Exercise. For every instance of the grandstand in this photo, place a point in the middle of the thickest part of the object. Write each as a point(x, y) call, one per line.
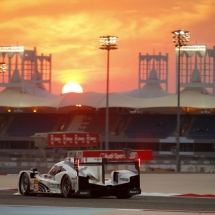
point(27, 108)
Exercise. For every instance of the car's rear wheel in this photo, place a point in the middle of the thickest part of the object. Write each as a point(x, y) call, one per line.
point(66, 187)
point(24, 184)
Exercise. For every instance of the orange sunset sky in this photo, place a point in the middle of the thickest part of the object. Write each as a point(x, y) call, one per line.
point(70, 31)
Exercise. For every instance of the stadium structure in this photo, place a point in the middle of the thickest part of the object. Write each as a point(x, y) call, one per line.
point(144, 118)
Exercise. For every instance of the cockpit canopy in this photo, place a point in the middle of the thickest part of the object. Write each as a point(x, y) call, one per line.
point(55, 170)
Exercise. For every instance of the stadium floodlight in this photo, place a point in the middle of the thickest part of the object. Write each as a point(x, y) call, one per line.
point(3, 67)
point(192, 48)
point(107, 43)
point(12, 48)
point(180, 38)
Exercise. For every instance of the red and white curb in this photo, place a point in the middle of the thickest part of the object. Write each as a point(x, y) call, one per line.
point(197, 195)
point(178, 195)
point(9, 174)
point(158, 194)
point(173, 211)
point(2, 189)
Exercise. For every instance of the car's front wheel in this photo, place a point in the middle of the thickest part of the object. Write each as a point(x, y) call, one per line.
point(66, 187)
point(24, 184)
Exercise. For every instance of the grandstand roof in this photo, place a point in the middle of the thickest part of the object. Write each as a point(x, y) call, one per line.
point(152, 88)
point(12, 97)
point(189, 97)
point(149, 90)
point(30, 86)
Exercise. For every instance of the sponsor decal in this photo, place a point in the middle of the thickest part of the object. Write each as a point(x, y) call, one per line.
point(54, 139)
point(84, 192)
point(134, 191)
point(76, 139)
point(67, 139)
point(98, 159)
point(36, 185)
point(53, 186)
point(87, 138)
point(123, 179)
point(115, 155)
point(94, 139)
point(32, 184)
point(82, 139)
point(72, 139)
point(64, 139)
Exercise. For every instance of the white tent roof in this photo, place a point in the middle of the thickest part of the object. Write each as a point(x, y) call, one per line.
point(39, 92)
point(14, 98)
point(118, 100)
point(152, 88)
point(90, 99)
point(32, 86)
point(98, 100)
point(149, 90)
point(189, 97)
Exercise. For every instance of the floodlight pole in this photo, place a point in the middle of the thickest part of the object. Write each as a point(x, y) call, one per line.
point(178, 162)
point(180, 38)
point(107, 103)
point(108, 43)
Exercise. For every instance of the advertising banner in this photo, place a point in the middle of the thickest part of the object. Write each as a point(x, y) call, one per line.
point(114, 155)
point(72, 139)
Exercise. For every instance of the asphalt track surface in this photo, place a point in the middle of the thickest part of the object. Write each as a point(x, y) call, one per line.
point(7, 197)
point(202, 184)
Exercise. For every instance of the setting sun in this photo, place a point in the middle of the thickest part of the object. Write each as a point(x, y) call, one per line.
point(70, 32)
point(72, 87)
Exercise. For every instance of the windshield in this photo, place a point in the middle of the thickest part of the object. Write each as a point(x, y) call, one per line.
point(55, 170)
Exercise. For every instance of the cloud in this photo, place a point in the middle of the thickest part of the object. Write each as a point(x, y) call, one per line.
point(176, 8)
point(70, 31)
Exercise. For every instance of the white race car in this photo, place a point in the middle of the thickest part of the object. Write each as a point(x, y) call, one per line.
point(82, 177)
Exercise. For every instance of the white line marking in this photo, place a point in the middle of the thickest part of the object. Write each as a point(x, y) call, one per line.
point(135, 210)
point(158, 194)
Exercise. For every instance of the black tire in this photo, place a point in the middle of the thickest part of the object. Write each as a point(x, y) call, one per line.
point(66, 187)
point(24, 184)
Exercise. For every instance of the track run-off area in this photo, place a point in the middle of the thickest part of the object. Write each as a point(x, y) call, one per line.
point(162, 193)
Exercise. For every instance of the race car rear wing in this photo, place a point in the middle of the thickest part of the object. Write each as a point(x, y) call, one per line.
point(98, 165)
